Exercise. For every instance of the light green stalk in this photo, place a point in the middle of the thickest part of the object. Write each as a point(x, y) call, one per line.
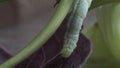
point(43, 36)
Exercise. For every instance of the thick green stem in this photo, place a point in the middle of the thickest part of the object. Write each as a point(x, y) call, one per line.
point(43, 36)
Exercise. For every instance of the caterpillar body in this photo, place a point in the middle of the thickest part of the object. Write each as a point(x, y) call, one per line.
point(78, 14)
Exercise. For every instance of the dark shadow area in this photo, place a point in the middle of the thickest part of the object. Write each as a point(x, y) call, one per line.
point(8, 13)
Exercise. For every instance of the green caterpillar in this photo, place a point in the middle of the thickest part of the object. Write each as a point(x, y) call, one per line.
point(78, 14)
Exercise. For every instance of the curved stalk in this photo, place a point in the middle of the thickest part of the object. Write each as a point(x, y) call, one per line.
point(43, 36)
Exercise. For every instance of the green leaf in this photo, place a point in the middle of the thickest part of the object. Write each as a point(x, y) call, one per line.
point(109, 23)
point(97, 3)
point(100, 49)
point(101, 56)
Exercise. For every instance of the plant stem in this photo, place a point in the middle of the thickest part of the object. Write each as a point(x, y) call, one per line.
point(59, 15)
